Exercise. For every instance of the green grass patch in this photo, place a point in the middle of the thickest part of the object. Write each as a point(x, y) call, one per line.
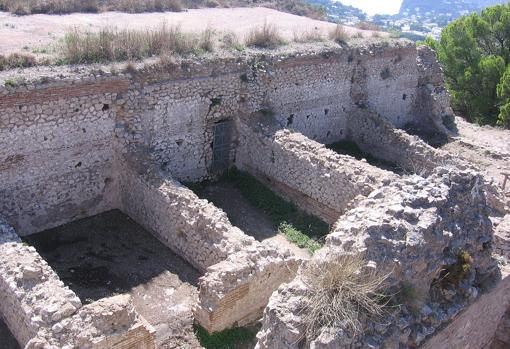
point(228, 339)
point(279, 210)
point(300, 228)
point(297, 237)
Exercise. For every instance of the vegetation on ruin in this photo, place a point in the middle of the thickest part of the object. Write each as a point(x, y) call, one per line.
point(457, 272)
point(26, 7)
point(300, 228)
point(16, 60)
point(339, 34)
point(299, 238)
point(120, 45)
point(228, 339)
point(341, 292)
point(475, 54)
point(266, 36)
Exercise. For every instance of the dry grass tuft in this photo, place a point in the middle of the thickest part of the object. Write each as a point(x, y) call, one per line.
point(313, 35)
point(266, 36)
point(342, 290)
point(339, 34)
point(109, 45)
point(16, 60)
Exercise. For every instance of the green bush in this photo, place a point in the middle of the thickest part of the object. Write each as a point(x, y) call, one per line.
point(475, 53)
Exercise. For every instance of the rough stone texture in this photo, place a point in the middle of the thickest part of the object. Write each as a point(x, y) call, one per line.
point(43, 313)
point(502, 238)
point(236, 291)
point(63, 134)
point(501, 338)
point(432, 101)
point(110, 323)
point(193, 228)
point(71, 145)
point(33, 297)
point(377, 136)
point(241, 273)
point(477, 327)
point(290, 162)
point(414, 228)
point(56, 153)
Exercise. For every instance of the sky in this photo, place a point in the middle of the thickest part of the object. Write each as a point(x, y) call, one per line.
point(373, 7)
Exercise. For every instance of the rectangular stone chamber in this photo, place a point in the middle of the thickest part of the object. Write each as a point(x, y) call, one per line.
point(110, 254)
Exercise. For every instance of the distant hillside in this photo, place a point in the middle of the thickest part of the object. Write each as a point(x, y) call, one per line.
point(337, 12)
point(450, 8)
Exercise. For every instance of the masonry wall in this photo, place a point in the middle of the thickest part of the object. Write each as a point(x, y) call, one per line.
point(376, 136)
point(317, 179)
point(58, 139)
point(315, 95)
point(235, 291)
point(193, 228)
point(56, 153)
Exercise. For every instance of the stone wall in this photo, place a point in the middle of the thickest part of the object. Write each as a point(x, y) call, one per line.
point(376, 136)
point(56, 152)
point(320, 181)
point(236, 291)
point(32, 295)
point(477, 326)
point(193, 228)
point(59, 136)
point(314, 95)
point(414, 230)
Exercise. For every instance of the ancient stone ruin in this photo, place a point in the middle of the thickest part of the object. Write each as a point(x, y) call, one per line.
point(94, 180)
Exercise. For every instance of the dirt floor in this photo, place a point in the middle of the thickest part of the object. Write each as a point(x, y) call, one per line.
point(111, 254)
point(249, 219)
point(36, 33)
point(486, 147)
point(7, 341)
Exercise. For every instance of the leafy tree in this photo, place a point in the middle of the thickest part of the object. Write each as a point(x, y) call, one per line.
point(475, 54)
point(504, 95)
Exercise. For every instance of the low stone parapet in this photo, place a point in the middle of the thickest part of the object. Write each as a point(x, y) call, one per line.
point(236, 291)
point(193, 228)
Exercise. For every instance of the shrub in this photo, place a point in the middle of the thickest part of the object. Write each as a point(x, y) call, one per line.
point(339, 34)
point(17, 60)
point(342, 290)
point(299, 238)
point(266, 36)
point(207, 40)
